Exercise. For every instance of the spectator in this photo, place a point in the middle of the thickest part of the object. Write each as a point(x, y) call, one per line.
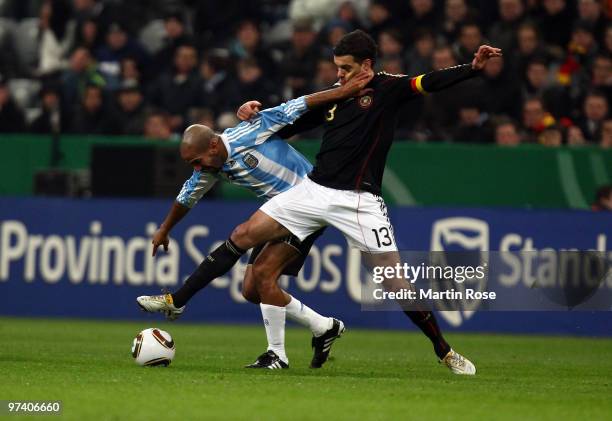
point(129, 113)
point(390, 43)
point(503, 90)
point(318, 12)
point(473, 124)
point(118, 46)
point(130, 71)
point(176, 35)
point(590, 11)
point(575, 136)
point(247, 44)
point(333, 31)
point(503, 32)
point(529, 47)
point(56, 36)
point(438, 115)
point(91, 117)
point(603, 199)
point(456, 13)
point(157, 127)
point(506, 133)
point(10, 64)
point(595, 109)
point(535, 118)
point(556, 23)
point(226, 120)
point(380, 18)
point(593, 75)
point(326, 76)
point(216, 82)
point(470, 38)
point(440, 112)
point(423, 16)
point(252, 84)
point(11, 117)
point(178, 90)
point(401, 10)
point(202, 116)
point(392, 65)
point(53, 118)
point(89, 34)
point(583, 46)
point(214, 25)
point(551, 136)
point(418, 59)
point(92, 9)
point(348, 14)
point(81, 72)
point(538, 84)
point(605, 134)
point(601, 75)
point(300, 61)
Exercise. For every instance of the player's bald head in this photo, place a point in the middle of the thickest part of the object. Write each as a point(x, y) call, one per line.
point(196, 138)
point(202, 148)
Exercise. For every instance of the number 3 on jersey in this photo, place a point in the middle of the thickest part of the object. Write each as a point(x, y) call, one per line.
point(382, 234)
point(331, 113)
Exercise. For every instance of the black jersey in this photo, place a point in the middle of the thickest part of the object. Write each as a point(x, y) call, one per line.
point(359, 131)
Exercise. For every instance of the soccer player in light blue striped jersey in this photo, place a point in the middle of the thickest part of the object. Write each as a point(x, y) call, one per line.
point(252, 155)
point(255, 157)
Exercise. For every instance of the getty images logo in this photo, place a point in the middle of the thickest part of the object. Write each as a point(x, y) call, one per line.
point(459, 234)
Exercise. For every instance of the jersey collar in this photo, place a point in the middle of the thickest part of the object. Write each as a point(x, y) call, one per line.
point(227, 147)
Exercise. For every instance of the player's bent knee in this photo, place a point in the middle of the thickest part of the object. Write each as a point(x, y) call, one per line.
point(251, 295)
point(240, 233)
point(249, 289)
point(245, 235)
point(265, 276)
point(264, 273)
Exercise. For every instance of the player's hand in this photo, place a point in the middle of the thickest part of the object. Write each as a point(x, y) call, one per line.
point(160, 238)
point(356, 84)
point(248, 110)
point(484, 53)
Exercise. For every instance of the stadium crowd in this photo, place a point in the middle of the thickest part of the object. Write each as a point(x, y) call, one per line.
point(153, 67)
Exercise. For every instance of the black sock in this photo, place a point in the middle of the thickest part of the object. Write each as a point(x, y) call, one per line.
point(217, 263)
point(426, 321)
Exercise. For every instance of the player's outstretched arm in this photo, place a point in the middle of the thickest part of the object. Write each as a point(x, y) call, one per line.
point(352, 88)
point(161, 236)
point(445, 78)
point(193, 190)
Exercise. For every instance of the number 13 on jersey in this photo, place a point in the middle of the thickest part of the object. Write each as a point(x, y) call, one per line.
point(383, 236)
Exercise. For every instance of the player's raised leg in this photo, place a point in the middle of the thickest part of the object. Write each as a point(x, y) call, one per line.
point(259, 229)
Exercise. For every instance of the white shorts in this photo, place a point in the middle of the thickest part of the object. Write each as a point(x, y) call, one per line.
point(361, 216)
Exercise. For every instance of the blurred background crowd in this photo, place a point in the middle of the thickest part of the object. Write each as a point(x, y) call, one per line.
point(153, 67)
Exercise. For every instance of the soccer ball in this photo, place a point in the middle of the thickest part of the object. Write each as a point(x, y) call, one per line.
point(153, 347)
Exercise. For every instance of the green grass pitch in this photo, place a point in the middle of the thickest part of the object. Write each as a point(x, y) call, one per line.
point(373, 375)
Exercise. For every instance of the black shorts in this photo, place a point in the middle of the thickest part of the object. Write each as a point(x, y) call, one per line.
point(303, 247)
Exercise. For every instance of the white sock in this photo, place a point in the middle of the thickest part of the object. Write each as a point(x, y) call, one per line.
point(274, 322)
point(306, 316)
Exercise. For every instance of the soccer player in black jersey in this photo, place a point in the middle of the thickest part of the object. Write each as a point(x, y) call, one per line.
point(344, 187)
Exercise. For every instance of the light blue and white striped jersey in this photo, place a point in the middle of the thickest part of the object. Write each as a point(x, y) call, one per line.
point(257, 158)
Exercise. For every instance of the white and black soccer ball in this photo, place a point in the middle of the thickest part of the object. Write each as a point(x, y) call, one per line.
point(153, 347)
